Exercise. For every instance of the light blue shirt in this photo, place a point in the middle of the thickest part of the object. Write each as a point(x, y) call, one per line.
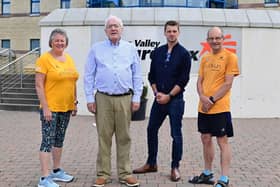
point(113, 69)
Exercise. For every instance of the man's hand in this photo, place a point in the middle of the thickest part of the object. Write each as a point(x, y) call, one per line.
point(162, 98)
point(91, 107)
point(135, 106)
point(206, 103)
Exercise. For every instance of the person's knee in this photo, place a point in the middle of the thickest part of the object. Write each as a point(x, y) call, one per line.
point(58, 144)
point(206, 139)
point(47, 143)
point(46, 148)
point(177, 139)
point(223, 142)
point(152, 129)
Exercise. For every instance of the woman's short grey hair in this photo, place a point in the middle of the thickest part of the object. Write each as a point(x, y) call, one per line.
point(115, 18)
point(58, 31)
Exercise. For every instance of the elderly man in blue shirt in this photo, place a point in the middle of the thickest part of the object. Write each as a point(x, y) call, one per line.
point(168, 76)
point(113, 86)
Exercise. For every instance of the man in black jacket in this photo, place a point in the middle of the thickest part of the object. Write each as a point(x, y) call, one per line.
point(168, 76)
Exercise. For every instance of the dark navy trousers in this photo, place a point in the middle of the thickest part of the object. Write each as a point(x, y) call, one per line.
point(175, 110)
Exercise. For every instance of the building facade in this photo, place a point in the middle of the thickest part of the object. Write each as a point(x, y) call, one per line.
point(249, 33)
point(19, 29)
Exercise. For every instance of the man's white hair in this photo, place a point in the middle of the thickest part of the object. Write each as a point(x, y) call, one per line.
point(115, 18)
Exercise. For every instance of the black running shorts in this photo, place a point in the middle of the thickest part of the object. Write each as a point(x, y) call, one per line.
point(215, 124)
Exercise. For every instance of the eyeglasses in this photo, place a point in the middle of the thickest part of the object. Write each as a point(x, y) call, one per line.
point(215, 38)
point(116, 26)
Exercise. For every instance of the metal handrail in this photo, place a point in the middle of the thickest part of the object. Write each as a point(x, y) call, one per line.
point(20, 58)
point(4, 50)
point(16, 67)
point(5, 56)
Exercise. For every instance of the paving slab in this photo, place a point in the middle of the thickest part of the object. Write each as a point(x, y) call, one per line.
point(256, 161)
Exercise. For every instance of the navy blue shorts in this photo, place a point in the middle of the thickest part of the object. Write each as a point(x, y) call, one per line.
point(218, 125)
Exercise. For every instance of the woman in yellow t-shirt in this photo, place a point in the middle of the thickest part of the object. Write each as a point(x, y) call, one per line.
point(56, 77)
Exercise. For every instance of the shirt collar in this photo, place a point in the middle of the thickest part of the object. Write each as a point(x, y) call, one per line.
point(111, 44)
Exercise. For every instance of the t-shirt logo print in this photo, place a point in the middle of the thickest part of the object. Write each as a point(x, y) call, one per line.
point(228, 44)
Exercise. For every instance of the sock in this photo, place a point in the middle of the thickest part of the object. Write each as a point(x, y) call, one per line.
point(224, 178)
point(207, 172)
point(56, 170)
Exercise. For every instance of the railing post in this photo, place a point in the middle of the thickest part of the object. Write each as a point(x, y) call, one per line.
point(1, 87)
point(21, 74)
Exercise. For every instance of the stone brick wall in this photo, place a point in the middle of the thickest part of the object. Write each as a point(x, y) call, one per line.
point(19, 27)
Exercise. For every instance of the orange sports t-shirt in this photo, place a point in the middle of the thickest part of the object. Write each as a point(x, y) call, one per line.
point(60, 81)
point(213, 69)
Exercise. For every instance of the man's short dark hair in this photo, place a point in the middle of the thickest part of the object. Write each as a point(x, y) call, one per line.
point(171, 23)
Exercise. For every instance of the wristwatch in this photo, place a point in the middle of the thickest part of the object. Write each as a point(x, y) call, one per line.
point(211, 98)
point(170, 95)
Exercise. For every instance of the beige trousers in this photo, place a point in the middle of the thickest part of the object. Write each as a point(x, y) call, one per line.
point(113, 116)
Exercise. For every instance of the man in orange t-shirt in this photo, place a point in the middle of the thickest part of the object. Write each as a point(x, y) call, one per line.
point(216, 74)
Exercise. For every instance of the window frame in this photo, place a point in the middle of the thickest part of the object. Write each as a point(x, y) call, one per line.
point(3, 41)
point(32, 40)
point(65, 4)
point(34, 10)
point(7, 4)
point(271, 3)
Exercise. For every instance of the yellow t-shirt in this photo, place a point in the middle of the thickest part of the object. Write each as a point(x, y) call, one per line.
point(213, 68)
point(60, 81)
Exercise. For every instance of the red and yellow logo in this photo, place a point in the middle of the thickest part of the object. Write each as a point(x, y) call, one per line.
point(228, 44)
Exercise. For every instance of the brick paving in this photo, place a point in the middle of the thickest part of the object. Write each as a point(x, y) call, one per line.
point(256, 160)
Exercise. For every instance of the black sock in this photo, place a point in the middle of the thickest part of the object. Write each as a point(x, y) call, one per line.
point(56, 170)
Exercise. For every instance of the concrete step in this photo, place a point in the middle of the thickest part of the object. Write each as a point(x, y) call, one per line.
point(19, 107)
point(20, 90)
point(31, 76)
point(18, 85)
point(16, 78)
point(17, 81)
point(20, 101)
point(19, 95)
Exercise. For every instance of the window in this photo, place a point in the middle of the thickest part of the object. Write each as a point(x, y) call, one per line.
point(35, 7)
point(5, 44)
point(6, 6)
point(104, 3)
point(270, 3)
point(34, 43)
point(151, 3)
point(93, 3)
point(196, 4)
point(177, 3)
point(65, 3)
